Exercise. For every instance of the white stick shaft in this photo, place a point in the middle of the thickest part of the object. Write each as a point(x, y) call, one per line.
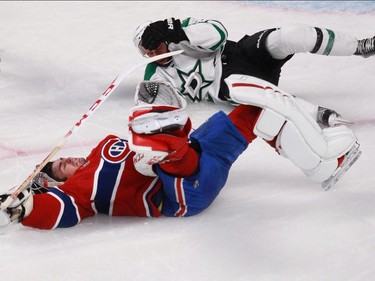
point(76, 127)
point(114, 85)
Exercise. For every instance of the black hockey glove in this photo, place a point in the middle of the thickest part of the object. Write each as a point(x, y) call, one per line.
point(160, 31)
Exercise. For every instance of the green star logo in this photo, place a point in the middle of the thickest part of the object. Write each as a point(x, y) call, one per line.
point(193, 83)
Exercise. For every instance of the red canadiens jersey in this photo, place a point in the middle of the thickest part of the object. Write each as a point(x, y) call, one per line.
point(108, 184)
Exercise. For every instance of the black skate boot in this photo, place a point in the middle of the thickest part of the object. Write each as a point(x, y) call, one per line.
point(366, 47)
point(330, 118)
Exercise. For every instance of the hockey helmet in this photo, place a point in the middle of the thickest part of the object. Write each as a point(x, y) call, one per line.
point(138, 35)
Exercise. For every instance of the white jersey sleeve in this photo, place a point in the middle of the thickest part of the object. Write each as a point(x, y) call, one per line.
point(196, 73)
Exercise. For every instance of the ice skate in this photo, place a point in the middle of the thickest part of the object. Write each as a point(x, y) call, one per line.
point(330, 118)
point(366, 47)
point(349, 160)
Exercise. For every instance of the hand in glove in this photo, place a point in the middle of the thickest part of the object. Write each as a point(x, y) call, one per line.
point(160, 31)
point(18, 209)
point(42, 182)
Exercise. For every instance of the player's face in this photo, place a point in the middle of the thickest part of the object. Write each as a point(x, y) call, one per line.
point(64, 168)
point(161, 49)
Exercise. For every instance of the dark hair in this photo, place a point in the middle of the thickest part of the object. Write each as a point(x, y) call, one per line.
point(47, 169)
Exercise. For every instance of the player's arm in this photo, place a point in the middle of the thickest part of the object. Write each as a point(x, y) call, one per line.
point(46, 210)
point(54, 209)
point(209, 35)
point(206, 34)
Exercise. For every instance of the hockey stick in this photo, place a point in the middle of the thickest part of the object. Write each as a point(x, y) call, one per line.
point(76, 127)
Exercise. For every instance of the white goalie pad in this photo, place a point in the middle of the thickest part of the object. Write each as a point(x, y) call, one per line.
point(292, 144)
point(299, 137)
point(268, 124)
point(279, 107)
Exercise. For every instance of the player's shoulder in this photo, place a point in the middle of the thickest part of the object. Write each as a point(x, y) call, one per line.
point(191, 20)
point(187, 21)
point(150, 70)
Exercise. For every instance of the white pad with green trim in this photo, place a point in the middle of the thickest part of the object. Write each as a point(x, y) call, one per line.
point(299, 38)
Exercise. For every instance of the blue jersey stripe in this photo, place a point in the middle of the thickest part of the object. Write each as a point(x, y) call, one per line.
point(105, 185)
point(69, 216)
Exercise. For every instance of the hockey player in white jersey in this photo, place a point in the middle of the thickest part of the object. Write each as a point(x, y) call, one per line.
point(209, 57)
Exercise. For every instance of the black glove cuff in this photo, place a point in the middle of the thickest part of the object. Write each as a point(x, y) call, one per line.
point(176, 34)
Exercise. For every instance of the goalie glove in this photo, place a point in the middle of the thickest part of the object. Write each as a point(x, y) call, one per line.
point(158, 93)
point(160, 109)
point(157, 119)
point(161, 31)
point(19, 209)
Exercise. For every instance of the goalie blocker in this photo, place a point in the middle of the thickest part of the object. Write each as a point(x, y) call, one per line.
point(323, 155)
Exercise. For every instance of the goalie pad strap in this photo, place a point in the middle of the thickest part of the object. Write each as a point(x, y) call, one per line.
point(268, 124)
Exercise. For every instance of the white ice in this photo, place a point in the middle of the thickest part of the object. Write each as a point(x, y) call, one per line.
point(269, 222)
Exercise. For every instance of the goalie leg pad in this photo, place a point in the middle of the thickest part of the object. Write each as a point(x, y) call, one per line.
point(250, 90)
point(268, 124)
point(318, 167)
point(299, 137)
point(279, 106)
point(340, 140)
point(292, 145)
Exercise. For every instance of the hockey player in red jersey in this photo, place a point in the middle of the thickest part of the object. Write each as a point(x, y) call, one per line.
point(162, 170)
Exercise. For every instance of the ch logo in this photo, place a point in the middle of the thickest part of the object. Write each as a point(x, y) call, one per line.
point(115, 151)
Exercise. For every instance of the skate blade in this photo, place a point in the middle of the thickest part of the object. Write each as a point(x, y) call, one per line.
point(351, 158)
point(340, 121)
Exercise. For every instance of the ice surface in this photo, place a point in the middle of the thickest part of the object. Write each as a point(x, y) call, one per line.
point(269, 222)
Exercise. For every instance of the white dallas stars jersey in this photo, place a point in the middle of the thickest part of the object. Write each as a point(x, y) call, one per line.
point(197, 71)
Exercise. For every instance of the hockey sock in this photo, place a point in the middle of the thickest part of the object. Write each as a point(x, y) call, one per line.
point(244, 118)
point(186, 162)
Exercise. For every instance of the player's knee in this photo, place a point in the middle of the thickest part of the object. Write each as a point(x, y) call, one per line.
point(291, 39)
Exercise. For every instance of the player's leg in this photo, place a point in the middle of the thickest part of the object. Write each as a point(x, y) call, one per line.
point(220, 144)
point(299, 38)
point(244, 118)
point(295, 134)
